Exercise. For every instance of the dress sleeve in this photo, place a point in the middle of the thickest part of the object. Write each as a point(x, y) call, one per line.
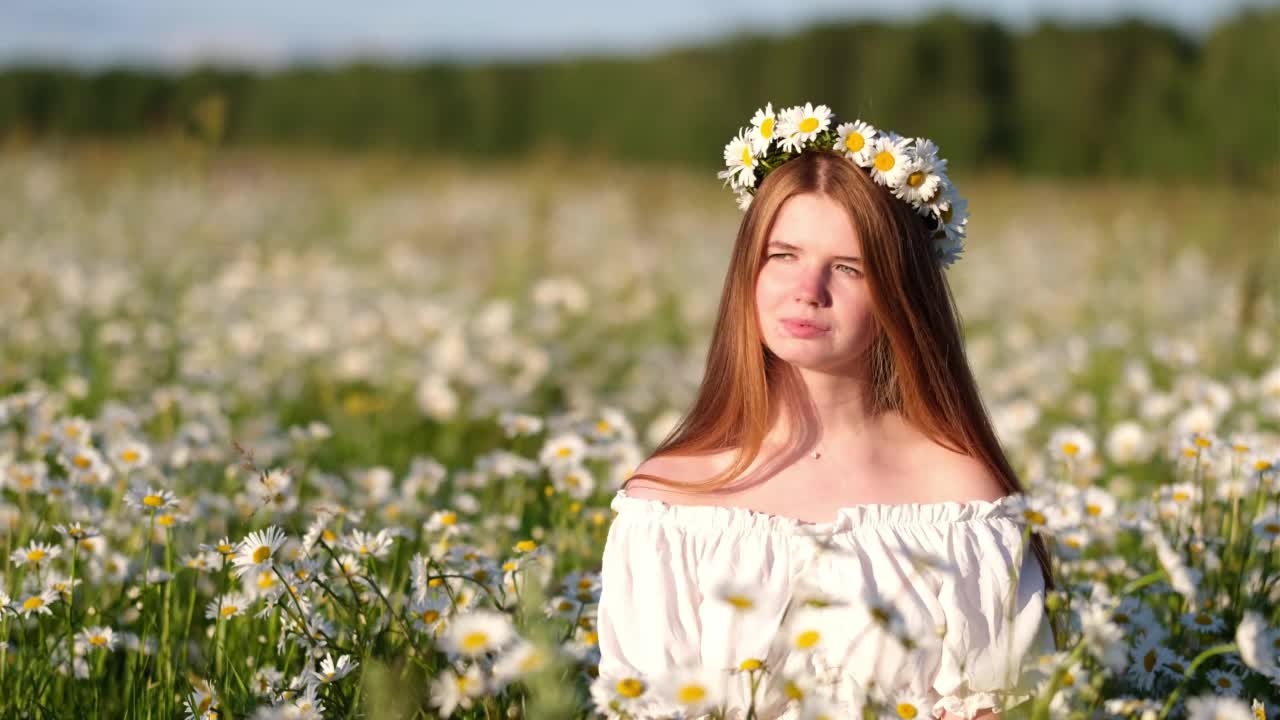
point(992, 639)
point(648, 615)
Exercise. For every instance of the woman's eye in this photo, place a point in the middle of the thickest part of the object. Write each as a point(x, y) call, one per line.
point(850, 267)
point(777, 255)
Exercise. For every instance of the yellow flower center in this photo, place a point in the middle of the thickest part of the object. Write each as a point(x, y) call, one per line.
point(229, 610)
point(1203, 442)
point(766, 128)
point(629, 688)
point(474, 641)
point(564, 452)
point(906, 710)
point(449, 518)
point(1181, 496)
point(855, 142)
point(1093, 510)
point(809, 124)
point(33, 603)
point(225, 549)
point(261, 554)
point(430, 616)
point(82, 461)
point(741, 602)
point(526, 546)
point(1035, 517)
point(98, 640)
point(691, 693)
point(1149, 661)
point(328, 535)
point(750, 664)
point(1273, 528)
point(1203, 619)
point(165, 520)
point(1070, 449)
point(1068, 679)
point(36, 555)
point(746, 154)
point(915, 179)
point(130, 455)
point(793, 691)
point(153, 501)
point(807, 639)
point(885, 161)
point(1224, 682)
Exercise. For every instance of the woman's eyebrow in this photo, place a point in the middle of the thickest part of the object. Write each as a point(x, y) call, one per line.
point(789, 246)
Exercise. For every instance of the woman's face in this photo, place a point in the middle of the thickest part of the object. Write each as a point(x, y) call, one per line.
point(813, 273)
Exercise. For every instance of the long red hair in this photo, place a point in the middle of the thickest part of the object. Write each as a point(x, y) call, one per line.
point(917, 363)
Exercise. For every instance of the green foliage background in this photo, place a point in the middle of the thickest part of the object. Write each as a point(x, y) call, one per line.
point(1122, 99)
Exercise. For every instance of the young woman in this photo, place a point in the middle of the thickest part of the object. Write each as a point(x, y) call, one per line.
point(833, 525)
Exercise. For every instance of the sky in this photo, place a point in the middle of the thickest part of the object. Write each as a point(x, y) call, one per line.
point(272, 33)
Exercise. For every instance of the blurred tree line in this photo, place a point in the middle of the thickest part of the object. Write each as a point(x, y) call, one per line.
point(1126, 98)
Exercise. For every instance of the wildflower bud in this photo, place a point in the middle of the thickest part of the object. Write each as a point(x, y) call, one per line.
point(1054, 601)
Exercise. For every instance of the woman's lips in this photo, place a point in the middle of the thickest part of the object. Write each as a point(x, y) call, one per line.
point(802, 328)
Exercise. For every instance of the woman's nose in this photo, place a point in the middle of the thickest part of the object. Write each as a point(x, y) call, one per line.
point(811, 286)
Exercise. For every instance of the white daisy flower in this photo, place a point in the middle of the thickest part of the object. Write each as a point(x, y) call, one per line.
point(477, 632)
point(696, 689)
point(35, 554)
point(1254, 640)
point(97, 637)
point(255, 552)
point(889, 160)
point(150, 499)
point(744, 200)
point(131, 455)
point(450, 690)
point(1208, 707)
point(521, 659)
point(923, 179)
point(368, 544)
point(565, 448)
point(799, 125)
point(1224, 683)
point(1072, 444)
point(762, 128)
point(955, 220)
point(855, 141)
point(37, 604)
point(333, 670)
point(227, 606)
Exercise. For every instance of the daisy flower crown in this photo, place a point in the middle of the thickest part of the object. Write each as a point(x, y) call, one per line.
point(909, 167)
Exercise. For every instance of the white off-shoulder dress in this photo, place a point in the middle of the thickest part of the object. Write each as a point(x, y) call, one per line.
point(946, 569)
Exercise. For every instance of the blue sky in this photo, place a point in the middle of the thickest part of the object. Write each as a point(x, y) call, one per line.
point(274, 32)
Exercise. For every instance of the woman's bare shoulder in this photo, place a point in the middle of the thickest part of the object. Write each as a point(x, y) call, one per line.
point(676, 468)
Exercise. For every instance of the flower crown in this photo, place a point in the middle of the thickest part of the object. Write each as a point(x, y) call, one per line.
point(909, 167)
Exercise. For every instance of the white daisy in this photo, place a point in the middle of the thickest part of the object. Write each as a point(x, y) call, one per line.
point(131, 455)
point(855, 142)
point(227, 606)
point(255, 552)
point(477, 632)
point(97, 638)
point(35, 554)
point(695, 689)
point(1207, 707)
point(923, 179)
point(368, 544)
point(762, 127)
point(1254, 640)
point(799, 125)
point(889, 160)
point(37, 604)
point(744, 200)
point(1071, 443)
point(150, 499)
point(333, 670)
point(450, 690)
point(520, 660)
point(740, 157)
